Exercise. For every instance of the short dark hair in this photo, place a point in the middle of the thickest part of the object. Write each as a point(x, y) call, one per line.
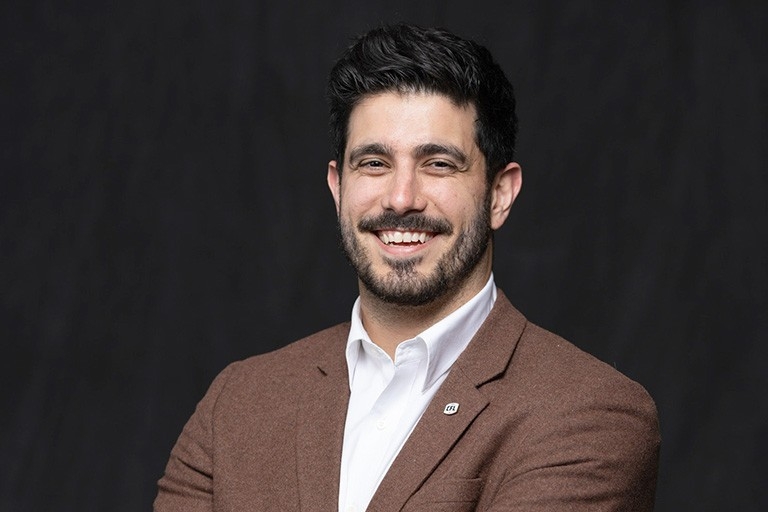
point(408, 58)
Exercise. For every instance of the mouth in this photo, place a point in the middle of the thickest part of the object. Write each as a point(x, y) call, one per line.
point(404, 234)
point(401, 238)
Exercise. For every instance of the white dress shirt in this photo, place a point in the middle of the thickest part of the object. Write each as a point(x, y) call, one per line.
point(388, 397)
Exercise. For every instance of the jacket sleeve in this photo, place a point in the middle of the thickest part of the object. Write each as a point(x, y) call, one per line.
point(187, 484)
point(600, 453)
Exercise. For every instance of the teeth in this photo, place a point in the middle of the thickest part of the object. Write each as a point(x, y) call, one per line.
point(397, 237)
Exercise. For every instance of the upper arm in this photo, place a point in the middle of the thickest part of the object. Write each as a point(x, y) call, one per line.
point(187, 484)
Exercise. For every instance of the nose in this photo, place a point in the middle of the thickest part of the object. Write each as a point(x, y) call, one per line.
point(404, 192)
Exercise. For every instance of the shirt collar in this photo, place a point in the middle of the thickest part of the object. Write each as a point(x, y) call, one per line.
point(444, 341)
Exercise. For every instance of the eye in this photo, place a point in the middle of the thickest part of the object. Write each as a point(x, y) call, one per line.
point(372, 166)
point(440, 166)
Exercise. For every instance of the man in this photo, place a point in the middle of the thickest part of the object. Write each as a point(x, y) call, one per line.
point(438, 395)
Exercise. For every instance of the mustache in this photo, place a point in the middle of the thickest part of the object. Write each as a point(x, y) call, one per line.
point(409, 222)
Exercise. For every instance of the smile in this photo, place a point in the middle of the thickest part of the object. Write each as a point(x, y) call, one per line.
point(404, 237)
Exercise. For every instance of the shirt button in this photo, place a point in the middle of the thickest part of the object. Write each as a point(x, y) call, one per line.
point(381, 424)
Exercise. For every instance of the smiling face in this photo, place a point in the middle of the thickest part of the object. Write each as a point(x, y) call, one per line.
point(415, 208)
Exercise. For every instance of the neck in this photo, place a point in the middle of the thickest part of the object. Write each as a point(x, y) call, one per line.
point(390, 324)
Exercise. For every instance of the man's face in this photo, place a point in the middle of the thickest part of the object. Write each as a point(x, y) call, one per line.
point(415, 208)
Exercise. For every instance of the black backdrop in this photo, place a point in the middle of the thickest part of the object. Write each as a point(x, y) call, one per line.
point(163, 212)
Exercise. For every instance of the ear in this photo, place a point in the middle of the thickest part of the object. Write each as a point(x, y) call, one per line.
point(506, 185)
point(334, 183)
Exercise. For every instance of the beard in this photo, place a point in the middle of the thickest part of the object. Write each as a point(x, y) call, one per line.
point(402, 284)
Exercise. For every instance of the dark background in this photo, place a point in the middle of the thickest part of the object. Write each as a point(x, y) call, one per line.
point(164, 212)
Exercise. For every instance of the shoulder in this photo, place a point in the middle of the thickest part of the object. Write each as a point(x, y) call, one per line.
point(569, 411)
point(553, 387)
point(542, 364)
point(554, 374)
point(559, 368)
point(566, 394)
point(287, 369)
point(566, 361)
point(559, 423)
point(313, 349)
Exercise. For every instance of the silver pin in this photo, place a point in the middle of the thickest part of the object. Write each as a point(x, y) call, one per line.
point(451, 408)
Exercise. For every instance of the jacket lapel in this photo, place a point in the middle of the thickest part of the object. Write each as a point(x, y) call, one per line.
point(320, 428)
point(486, 357)
point(428, 443)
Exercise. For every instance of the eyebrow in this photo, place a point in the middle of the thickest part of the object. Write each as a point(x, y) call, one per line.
point(421, 151)
point(432, 148)
point(374, 148)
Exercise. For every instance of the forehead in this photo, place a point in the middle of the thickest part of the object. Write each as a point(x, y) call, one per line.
point(404, 120)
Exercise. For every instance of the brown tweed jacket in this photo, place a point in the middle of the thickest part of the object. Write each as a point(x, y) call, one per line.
point(541, 426)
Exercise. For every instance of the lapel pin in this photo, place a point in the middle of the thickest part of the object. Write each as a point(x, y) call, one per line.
point(451, 408)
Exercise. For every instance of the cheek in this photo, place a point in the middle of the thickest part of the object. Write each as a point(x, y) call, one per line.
point(458, 204)
point(360, 195)
point(356, 203)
